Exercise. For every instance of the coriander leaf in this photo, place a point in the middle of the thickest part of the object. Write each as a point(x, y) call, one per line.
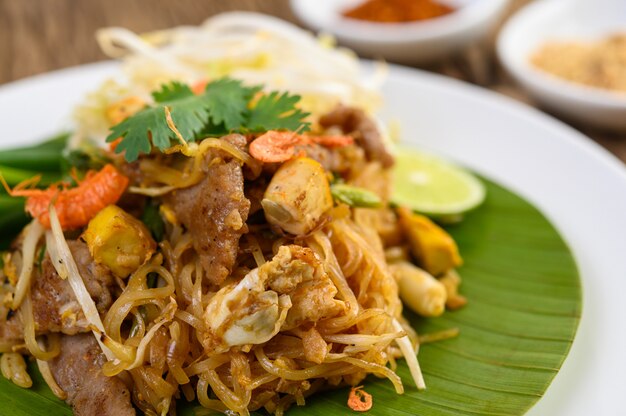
point(222, 108)
point(86, 158)
point(171, 92)
point(152, 219)
point(228, 101)
point(189, 114)
point(277, 111)
point(136, 131)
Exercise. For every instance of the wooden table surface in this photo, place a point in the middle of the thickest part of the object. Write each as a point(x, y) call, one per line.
point(42, 35)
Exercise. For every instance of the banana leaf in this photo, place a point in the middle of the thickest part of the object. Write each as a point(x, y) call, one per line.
point(524, 306)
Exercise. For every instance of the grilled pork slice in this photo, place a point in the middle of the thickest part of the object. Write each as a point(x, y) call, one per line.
point(215, 212)
point(77, 370)
point(355, 122)
point(55, 308)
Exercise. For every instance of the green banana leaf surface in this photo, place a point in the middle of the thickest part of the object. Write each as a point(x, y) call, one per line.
point(524, 305)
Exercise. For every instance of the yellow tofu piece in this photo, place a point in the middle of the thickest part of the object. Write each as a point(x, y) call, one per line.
point(298, 196)
point(118, 240)
point(433, 248)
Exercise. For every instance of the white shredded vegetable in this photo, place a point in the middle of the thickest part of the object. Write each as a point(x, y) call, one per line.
point(252, 47)
point(410, 356)
point(32, 234)
point(46, 373)
point(66, 267)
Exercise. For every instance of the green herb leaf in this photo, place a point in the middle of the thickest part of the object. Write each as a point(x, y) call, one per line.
point(151, 280)
point(355, 196)
point(221, 108)
point(41, 255)
point(277, 111)
point(189, 114)
point(172, 92)
point(85, 159)
point(228, 100)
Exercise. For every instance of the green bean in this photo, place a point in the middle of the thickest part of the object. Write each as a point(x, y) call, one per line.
point(48, 160)
point(19, 164)
point(58, 142)
point(44, 156)
point(355, 196)
point(14, 176)
point(12, 219)
point(8, 203)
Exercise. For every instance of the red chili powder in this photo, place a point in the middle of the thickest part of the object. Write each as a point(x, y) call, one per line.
point(395, 11)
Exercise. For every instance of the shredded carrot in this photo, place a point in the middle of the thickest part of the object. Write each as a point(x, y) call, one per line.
point(279, 146)
point(199, 87)
point(74, 206)
point(114, 143)
point(359, 400)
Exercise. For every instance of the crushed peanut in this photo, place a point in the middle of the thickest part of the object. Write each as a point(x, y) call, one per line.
point(600, 64)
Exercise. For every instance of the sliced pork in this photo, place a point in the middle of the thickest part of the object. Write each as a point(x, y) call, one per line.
point(355, 122)
point(215, 212)
point(78, 371)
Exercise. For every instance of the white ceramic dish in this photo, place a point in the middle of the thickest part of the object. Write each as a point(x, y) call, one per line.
point(577, 184)
point(409, 43)
point(564, 20)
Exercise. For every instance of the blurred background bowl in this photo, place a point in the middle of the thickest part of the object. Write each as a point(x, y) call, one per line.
point(413, 43)
point(567, 20)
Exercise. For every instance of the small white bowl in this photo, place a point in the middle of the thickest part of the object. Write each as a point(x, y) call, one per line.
point(567, 20)
point(419, 42)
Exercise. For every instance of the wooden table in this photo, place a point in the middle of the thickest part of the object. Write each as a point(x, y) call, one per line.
point(42, 35)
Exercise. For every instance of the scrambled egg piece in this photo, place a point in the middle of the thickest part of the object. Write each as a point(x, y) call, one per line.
point(297, 272)
point(290, 289)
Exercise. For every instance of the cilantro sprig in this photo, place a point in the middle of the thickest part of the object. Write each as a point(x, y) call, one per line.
point(225, 106)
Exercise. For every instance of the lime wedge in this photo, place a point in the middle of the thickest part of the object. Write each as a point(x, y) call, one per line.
point(433, 186)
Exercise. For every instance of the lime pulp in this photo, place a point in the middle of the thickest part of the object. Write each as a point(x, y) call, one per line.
point(433, 186)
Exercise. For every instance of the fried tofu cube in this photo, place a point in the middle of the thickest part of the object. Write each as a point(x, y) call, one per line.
point(118, 240)
point(298, 196)
point(434, 249)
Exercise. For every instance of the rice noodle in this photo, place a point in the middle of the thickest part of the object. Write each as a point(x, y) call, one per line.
point(362, 339)
point(206, 365)
point(226, 395)
point(374, 368)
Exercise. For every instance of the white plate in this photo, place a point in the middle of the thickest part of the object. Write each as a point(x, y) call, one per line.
point(577, 184)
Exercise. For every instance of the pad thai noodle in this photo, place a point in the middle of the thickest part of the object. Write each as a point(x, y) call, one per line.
point(233, 243)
